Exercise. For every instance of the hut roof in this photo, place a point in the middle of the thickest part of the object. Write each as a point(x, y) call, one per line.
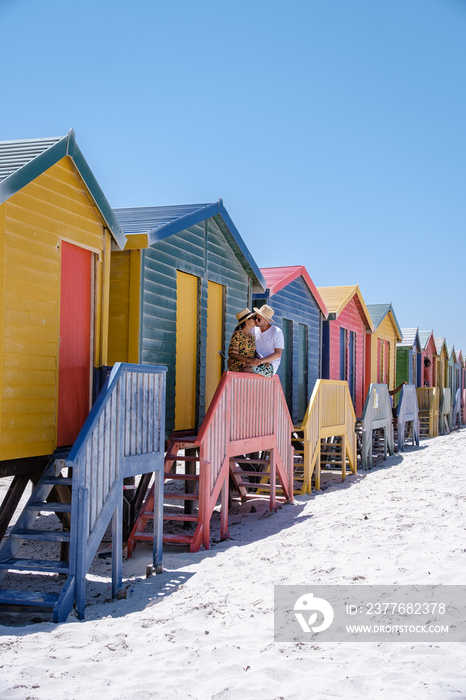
point(378, 313)
point(159, 222)
point(337, 298)
point(24, 160)
point(279, 277)
point(439, 343)
point(410, 338)
point(424, 338)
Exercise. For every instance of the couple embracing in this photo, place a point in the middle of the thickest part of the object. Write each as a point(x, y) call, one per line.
point(256, 344)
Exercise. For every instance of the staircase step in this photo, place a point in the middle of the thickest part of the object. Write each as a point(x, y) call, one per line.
point(43, 535)
point(177, 539)
point(247, 484)
point(35, 599)
point(181, 458)
point(61, 480)
point(181, 496)
point(182, 477)
point(261, 496)
point(182, 518)
point(249, 472)
point(37, 565)
point(50, 507)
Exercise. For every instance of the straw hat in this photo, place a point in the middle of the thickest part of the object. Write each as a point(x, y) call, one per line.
point(244, 315)
point(266, 312)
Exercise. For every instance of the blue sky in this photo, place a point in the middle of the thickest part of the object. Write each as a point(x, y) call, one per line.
point(334, 130)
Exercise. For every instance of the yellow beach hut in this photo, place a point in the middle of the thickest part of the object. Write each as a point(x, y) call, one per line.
point(57, 230)
point(381, 346)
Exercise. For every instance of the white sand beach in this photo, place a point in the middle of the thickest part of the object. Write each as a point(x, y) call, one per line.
point(203, 629)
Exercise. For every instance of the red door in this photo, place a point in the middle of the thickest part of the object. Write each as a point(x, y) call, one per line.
point(74, 368)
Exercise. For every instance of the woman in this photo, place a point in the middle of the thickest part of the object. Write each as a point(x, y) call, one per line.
point(242, 351)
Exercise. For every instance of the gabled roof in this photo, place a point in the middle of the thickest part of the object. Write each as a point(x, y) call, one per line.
point(424, 338)
point(439, 343)
point(23, 161)
point(378, 313)
point(410, 338)
point(279, 277)
point(337, 298)
point(149, 225)
point(451, 352)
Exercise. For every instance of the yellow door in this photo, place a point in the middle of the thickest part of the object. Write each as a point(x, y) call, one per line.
point(214, 360)
point(186, 351)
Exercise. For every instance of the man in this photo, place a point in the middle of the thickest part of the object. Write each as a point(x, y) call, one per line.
point(269, 339)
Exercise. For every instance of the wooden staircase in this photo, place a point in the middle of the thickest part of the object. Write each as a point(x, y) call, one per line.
point(250, 476)
point(217, 456)
point(16, 555)
point(181, 506)
point(428, 403)
point(331, 461)
point(328, 431)
point(79, 494)
point(424, 423)
point(375, 430)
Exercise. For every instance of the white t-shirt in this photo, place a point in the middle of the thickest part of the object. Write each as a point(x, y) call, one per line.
point(267, 341)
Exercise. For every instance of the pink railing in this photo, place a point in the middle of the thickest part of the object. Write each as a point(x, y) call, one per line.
point(247, 414)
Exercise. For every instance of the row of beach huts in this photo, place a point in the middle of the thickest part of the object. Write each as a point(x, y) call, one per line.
point(114, 402)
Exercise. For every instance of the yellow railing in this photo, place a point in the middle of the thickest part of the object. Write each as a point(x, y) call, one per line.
point(428, 400)
point(330, 413)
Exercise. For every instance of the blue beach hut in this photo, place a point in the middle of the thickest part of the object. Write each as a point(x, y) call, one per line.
point(175, 291)
point(299, 311)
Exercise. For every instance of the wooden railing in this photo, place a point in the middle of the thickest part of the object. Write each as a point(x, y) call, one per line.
point(330, 413)
point(377, 414)
point(445, 412)
point(407, 412)
point(248, 413)
point(456, 416)
point(124, 435)
point(428, 400)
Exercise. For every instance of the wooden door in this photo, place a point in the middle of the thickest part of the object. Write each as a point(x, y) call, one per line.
point(74, 370)
point(186, 351)
point(215, 330)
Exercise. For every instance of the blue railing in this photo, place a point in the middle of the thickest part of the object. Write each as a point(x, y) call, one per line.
point(124, 435)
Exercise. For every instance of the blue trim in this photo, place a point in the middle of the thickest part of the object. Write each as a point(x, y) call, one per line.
point(159, 223)
point(29, 172)
point(64, 147)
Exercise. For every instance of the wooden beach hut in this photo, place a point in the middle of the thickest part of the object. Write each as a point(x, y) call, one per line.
point(381, 346)
point(428, 358)
point(461, 361)
point(299, 311)
point(442, 363)
point(408, 358)
point(344, 339)
point(57, 229)
point(175, 291)
point(453, 370)
point(445, 397)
